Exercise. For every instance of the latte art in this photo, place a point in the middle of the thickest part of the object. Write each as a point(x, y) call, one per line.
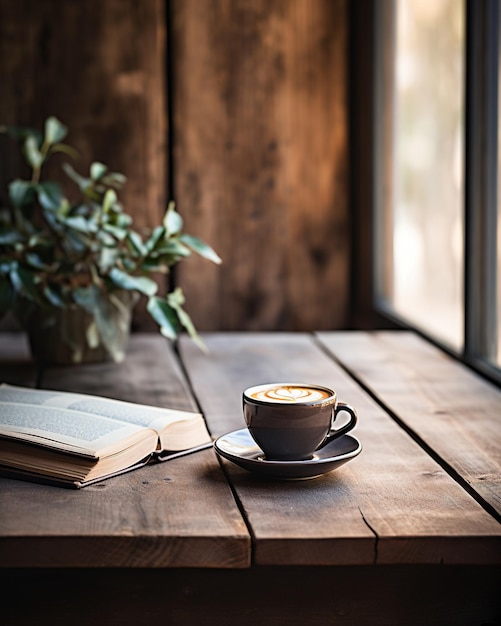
point(290, 394)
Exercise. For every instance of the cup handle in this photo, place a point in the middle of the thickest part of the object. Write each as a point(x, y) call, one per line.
point(334, 433)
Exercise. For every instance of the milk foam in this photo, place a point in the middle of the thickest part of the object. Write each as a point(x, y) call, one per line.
point(290, 394)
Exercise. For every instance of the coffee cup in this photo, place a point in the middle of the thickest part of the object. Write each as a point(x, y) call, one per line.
point(289, 421)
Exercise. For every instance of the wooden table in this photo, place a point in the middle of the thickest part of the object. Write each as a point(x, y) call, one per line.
point(407, 533)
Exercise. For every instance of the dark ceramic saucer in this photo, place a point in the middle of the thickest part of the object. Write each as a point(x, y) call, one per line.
point(240, 448)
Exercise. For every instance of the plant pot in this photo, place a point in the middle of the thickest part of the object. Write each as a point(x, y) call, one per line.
point(68, 335)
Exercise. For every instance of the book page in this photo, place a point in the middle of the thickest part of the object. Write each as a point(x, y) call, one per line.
point(68, 430)
point(139, 414)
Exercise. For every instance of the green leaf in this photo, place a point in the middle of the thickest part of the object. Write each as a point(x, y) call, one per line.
point(106, 239)
point(75, 242)
point(200, 248)
point(171, 247)
point(8, 236)
point(164, 315)
point(24, 282)
point(52, 220)
point(21, 193)
point(133, 283)
point(35, 261)
point(78, 209)
point(114, 179)
point(107, 259)
point(172, 221)
point(80, 224)
point(129, 265)
point(18, 132)
point(137, 243)
point(86, 297)
point(123, 220)
point(153, 265)
point(6, 265)
point(92, 335)
point(54, 296)
point(64, 209)
point(81, 181)
point(108, 318)
point(55, 131)
point(175, 300)
point(50, 195)
point(110, 197)
point(32, 152)
point(62, 147)
point(97, 170)
point(157, 235)
point(185, 320)
point(41, 239)
point(116, 231)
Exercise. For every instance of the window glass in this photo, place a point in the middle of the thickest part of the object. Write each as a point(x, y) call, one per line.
point(423, 228)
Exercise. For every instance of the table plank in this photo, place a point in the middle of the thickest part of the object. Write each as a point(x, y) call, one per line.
point(453, 410)
point(180, 513)
point(392, 504)
point(150, 374)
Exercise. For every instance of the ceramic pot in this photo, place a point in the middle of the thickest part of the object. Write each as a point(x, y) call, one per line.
point(67, 336)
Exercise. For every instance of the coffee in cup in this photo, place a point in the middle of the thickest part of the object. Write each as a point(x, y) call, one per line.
point(289, 421)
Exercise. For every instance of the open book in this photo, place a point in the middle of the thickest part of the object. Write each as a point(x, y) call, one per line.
point(74, 439)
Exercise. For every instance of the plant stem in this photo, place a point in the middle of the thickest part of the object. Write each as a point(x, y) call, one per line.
point(35, 177)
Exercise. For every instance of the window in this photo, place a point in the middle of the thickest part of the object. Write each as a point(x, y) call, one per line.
point(438, 210)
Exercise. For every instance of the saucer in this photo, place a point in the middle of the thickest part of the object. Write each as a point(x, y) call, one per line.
point(240, 448)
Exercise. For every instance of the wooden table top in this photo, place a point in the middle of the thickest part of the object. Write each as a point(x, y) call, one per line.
point(425, 489)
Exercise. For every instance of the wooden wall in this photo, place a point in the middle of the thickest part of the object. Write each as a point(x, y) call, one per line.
point(256, 155)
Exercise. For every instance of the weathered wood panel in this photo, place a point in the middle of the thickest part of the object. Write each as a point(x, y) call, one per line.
point(391, 504)
point(260, 136)
point(100, 68)
point(16, 364)
point(180, 513)
point(260, 160)
point(453, 410)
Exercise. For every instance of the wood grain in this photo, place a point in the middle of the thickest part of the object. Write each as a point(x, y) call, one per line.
point(100, 68)
point(259, 143)
point(453, 410)
point(392, 504)
point(180, 513)
point(150, 373)
point(260, 153)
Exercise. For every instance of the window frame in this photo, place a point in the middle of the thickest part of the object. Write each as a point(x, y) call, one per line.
point(370, 53)
point(481, 154)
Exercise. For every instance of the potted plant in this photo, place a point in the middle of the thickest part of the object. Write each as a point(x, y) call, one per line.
point(71, 270)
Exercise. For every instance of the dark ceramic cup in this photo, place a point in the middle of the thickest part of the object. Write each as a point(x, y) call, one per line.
point(289, 421)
